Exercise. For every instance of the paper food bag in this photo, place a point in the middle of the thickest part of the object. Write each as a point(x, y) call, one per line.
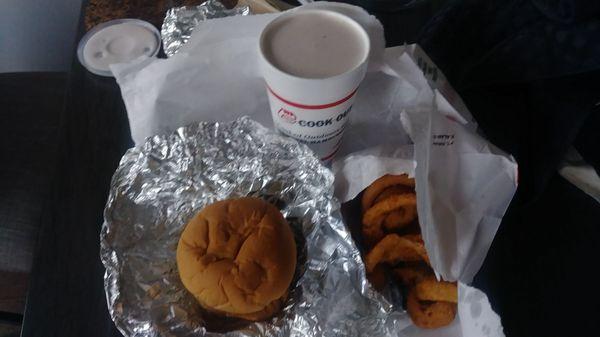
point(464, 185)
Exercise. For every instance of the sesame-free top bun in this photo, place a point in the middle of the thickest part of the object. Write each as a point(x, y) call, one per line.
point(238, 257)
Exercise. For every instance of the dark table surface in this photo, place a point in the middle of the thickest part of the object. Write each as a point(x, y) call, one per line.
point(66, 295)
point(66, 291)
point(28, 147)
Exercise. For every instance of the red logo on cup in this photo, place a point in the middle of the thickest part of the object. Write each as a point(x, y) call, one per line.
point(287, 115)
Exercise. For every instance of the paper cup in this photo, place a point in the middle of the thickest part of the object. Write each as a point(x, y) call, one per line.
point(313, 110)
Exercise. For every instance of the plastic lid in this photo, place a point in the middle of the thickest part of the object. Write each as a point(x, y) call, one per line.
point(117, 41)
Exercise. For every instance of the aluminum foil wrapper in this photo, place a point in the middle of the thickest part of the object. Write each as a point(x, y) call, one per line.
point(180, 22)
point(161, 184)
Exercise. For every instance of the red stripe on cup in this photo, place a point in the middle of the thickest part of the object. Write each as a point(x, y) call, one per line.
point(312, 107)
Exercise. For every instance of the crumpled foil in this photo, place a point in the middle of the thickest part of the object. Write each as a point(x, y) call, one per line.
point(161, 184)
point(180, 22)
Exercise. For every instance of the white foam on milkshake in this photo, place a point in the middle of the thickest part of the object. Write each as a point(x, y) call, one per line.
point(315, 44)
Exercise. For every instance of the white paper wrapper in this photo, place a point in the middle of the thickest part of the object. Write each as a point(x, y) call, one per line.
point(214, 76)
point(463, 188)
point(464, 183)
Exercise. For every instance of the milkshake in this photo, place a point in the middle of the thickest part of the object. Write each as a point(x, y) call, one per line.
point(313, 62)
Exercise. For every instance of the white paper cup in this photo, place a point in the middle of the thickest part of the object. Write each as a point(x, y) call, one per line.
point(313, 110)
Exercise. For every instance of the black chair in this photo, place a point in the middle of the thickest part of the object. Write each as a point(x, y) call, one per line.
point(30, 109)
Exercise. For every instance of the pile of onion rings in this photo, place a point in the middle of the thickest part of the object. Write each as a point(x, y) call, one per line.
point(391, 232)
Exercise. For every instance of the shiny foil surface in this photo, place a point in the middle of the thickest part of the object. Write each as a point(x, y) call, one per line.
point(180, 22)
point(160, 185)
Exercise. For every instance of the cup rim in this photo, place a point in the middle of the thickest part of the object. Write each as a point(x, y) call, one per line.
point(344, 17)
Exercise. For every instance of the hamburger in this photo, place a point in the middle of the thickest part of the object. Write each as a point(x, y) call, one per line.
point(237, 257)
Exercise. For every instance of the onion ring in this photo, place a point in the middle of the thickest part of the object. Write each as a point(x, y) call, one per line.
point(394, 212)
point(399, 218)
point(430, 289)
point(377, 278)
point(373, 233)
point(373, 214)
point(429, 315)
point(410, 275)
point(393, 190)
point(379, 185)
point(394, 248)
